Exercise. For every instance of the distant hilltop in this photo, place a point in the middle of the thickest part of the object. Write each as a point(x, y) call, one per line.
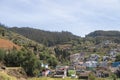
point(101, 33)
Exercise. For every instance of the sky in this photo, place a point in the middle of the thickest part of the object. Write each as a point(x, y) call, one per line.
point(77, 16)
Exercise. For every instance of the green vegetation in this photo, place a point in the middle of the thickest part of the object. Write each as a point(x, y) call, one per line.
point(45, 37)
point(48, 78)
point(92, 77)
point(27, 60)
point(71, 72)
point(4, 76)
point(31, 55)
point(104, 33)
point(118, 58)
point(68, 78)
point(2, 55)
point(62, 55)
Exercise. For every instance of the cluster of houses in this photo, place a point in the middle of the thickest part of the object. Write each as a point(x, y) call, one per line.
point(93, 63)
point(82, 64)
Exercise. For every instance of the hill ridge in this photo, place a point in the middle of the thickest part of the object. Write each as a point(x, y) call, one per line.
point(46, 37)
point(102, 33)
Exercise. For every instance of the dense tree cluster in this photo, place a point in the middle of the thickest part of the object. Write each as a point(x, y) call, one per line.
point(62, 55)
point(26, 59)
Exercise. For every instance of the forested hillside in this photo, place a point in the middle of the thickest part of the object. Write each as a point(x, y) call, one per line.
point(101, 33)
point(105, 35)
point(45, 37)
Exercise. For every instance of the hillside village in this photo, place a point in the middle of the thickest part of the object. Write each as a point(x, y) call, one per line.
point(98, 62)
point(74, 57)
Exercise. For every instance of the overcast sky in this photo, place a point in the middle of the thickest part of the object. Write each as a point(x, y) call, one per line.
point(77, 16)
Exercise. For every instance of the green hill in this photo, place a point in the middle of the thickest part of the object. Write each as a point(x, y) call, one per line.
point(45, 37)
point(100, 36)
point(101, 33)
point(31, 55)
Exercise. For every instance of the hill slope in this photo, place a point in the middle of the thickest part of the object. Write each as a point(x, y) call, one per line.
point(46, 37)
point(29, 57)
point(7, 36)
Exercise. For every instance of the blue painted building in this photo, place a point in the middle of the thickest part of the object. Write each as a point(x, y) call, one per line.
point(115, 64)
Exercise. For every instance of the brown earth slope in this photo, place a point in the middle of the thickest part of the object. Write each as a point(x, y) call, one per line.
point(6, 44)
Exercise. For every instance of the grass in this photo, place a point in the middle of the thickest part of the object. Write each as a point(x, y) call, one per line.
point(48, 78)
point(4, 76)
point(107, 79)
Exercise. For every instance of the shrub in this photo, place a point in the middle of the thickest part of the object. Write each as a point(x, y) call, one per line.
point(92, 77)
point(2, 55)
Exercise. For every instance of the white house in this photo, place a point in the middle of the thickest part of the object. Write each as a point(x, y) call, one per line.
point(91, 64)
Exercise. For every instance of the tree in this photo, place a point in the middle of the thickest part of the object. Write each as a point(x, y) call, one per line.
point(27, 60)
point(62, 54)
point(2, 55)
point(52, 61)
point(31, 63)
point(117, 58)
point(14, 58)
